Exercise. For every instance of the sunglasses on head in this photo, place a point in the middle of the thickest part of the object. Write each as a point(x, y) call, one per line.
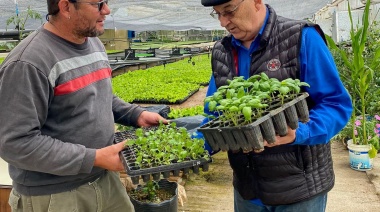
point(100, 3)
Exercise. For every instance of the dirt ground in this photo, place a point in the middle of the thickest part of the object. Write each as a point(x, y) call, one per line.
point(212, 190)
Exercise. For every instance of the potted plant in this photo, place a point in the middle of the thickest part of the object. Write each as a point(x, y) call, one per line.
point(361, 78)
point(157, 196)
point(361, 155)
point(252, 110)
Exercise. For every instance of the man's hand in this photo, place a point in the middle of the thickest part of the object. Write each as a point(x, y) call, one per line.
point(147, 119)
point(289, 138)
point(108, 157)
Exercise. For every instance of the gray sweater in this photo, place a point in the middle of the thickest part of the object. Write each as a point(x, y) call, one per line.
point(56, 109)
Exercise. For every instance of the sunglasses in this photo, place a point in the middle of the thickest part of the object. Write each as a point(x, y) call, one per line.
point(100, 3)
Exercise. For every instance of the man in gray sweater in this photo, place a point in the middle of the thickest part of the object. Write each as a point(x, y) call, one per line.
point(57, 115)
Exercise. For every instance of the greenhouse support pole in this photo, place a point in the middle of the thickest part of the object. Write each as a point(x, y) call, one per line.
point(18, 21)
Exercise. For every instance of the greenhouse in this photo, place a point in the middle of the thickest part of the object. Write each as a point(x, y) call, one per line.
point(153, 16)
point(238, 123)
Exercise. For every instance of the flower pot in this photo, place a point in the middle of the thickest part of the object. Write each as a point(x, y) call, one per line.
point(170, 205)
point(359, 158)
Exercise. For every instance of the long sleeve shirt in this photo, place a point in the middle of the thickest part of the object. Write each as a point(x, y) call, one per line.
point(318, 69)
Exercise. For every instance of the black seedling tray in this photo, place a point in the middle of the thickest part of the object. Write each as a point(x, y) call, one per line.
point(128, 157)
point(225, 136)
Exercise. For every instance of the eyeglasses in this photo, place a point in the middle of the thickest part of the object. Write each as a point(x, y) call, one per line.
point(100, 3)
point(227, 14)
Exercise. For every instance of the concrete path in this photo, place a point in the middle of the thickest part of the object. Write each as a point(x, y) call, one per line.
point(354, 190)
point(3, 55)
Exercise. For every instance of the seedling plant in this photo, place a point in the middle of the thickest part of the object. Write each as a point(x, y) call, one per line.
point(185, 112)
point(251, 98)
point(165, 145)
point(150, 193)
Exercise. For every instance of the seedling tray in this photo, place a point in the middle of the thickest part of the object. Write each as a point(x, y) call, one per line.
point(128, 157)
point(223, 135)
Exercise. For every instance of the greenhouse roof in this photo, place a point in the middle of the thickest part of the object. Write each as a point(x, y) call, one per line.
point(152, 15)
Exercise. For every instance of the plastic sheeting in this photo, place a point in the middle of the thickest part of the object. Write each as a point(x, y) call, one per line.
point(153, 15)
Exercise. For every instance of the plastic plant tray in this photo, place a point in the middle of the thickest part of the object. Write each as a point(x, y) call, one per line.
point(223, 135)
point(128, 158)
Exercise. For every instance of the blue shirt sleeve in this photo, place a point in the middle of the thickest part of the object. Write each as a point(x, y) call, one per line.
point(333, 106)
point(210, 91)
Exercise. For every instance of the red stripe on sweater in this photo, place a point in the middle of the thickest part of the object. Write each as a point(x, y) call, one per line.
point(81, 82)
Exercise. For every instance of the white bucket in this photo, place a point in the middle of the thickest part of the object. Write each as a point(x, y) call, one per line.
point(359, 158)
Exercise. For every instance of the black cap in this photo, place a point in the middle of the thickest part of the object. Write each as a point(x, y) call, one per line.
point(210, 3)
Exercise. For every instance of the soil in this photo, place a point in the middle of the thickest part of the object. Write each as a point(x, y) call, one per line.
point(142, 196)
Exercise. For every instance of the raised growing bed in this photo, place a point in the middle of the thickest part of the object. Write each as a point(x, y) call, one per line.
point(164, 101)
point(128, 157)
point(223, 135)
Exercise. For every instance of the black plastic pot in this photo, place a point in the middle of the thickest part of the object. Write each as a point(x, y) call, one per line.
point(302, 111)
point(251, 139)
point(170, 205)
point(291, 117)
point(267, 129)
point(279, 123)
point(231, 144)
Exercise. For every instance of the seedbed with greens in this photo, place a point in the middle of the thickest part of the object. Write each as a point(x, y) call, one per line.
point(185, 112)
point(155, 151)
point(253, 110)
point(172, 83)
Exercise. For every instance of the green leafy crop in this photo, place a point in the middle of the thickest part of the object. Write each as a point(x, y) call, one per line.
point(251, 97)
point(165, 145)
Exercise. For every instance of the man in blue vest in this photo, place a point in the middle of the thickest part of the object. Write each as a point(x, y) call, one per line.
point(296, 172)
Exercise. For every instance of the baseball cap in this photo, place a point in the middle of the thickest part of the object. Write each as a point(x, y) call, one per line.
point(210, 3)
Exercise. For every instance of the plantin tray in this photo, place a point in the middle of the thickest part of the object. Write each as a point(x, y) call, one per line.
point(223, 135)
point(128, 157)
